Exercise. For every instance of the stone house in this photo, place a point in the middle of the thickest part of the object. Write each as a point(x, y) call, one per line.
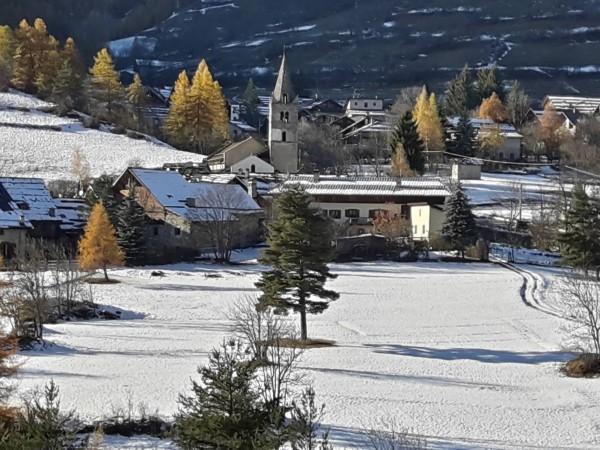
point(182, 215)
point(28, 211)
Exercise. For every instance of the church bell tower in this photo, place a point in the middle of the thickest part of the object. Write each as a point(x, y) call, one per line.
point(283, 123)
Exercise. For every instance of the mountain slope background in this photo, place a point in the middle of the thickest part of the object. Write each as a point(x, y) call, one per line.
point(338, 47)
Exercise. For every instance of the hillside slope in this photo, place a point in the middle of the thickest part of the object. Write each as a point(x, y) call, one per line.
point(347, 44)
point(36, 143)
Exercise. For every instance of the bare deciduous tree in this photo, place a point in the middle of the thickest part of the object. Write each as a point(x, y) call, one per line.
point(393, 437)
point(580, 303)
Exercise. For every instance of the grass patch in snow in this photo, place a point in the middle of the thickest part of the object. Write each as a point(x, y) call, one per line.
point(307, 344)
point(101, 281)
point(586, 365)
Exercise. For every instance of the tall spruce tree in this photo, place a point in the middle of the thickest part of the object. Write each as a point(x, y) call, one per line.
point(581, 240)
point(459, 228)
point(224, 410)
point(406, 133)
point(488, 82)
point(131, 219)
point(251, 102)
point(63, 90)
point(101, 191)
point(460, 97)
point(465, 140)
point(299, 250)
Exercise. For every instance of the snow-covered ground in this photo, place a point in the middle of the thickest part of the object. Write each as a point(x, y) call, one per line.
point(448, 350)
point(38, 144)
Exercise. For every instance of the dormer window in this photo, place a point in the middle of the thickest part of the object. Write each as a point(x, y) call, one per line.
point(23, 206)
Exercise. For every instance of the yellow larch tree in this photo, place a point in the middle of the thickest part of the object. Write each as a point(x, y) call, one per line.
point(24, 64)
point(176, 122)
point(400, 166)
point(492, 108)
point(105, 89)
point(47, 57)
point(98, 248)
point(218, 113)
point(136, 96)
point(199, 118)
point(7, 53)
point(428, 122)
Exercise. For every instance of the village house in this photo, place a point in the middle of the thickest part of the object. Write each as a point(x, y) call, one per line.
point(510, 148)
point(570, 108)
point(353, 202)
point(251, 155)
point(180, 213)
point(28, 211)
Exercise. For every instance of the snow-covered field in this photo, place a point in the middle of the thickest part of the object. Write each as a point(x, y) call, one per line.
point(448, 350)
point(32, 151)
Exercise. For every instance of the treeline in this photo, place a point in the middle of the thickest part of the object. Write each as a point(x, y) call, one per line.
point(34, 61)
point(91, 22)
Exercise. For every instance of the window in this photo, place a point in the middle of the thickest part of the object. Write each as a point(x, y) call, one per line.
point(285, 98)
point(281, 116)
point(366, 104)
point(335, 213)
point(286, 118)
point(416, 230)
point(423, 229)
point(373, 213)
point(501, 155)
point(155, 231)
point(352, 213)
point(283, 136)
point(177, 232)
point(253, 168)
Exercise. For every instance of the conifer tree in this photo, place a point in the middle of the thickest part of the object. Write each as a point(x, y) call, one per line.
point(581, 240)
point(492, 108)
point(459, 228)
point(98, 248)
point(224, 410)
point(24, 63)
point(136, 97)
point(465, 140)
point(488, 82)
point(72, 76)
point(251, 102)
point(47, 58)
point(428, 122)
point(64, 90)
point(105, 90)
point(7, 53)
point(199, 120)
point(517, 105)
point(299, 250)
point(406, 133)
point(131, 219)
point(460, 96)
point(176, 123)
point(218, 114)
point(400, 165)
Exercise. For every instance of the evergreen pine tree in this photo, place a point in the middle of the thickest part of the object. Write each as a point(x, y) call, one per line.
point(299, 250)
point(251, 102)
point(63, 91)
point(101, 191)
point(224, 410)
point(406, 133)
point(465, 140)
point(136, 96)
point(581, 240)
point(98, 248)
point(460, 96)
point(488, 82)
point(131, 219)
point(73, 73)
point(47, 58)
point(176, 123)
point(459, 228)
point(517, 105)
point(105, 91)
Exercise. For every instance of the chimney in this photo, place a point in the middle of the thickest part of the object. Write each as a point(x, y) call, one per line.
point(316, 176)
point(22, 219)
point(252, 189)
point(52, 212)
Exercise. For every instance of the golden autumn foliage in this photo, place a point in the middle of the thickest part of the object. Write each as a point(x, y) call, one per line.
point(198, 117)
point(400, 165)
point(98, 248)
point(492, 108)
point(106, 89)
point(428, 122)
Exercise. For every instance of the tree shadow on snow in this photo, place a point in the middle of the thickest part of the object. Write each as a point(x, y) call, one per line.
point(193, 288)
point(473, 354)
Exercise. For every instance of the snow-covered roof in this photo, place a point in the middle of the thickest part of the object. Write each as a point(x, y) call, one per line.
point(27, 200)
point(585, 105)
point(365, 186)
point(173, 192)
